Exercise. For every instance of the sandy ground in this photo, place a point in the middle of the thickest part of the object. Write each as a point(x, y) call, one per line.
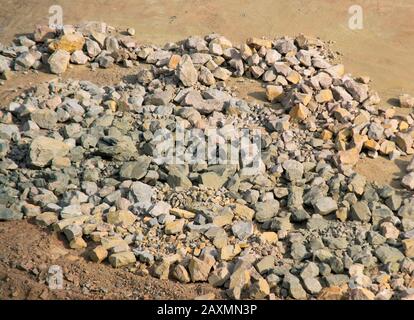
point(383, 50)
point(27, 252)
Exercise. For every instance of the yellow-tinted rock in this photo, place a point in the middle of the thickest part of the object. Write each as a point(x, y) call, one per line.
point(269, 236)
point(260, 289)
point(229, 252)
point(341, 145)
point(361, 294)
point(342, 114)
point(324, 96)
point(244, 212)
point(331, 293)
point(61, 224)
point(121, 259)
point(361, 118)
point(273, 92)
point(371, 145)
point(348, 157)
point(224, 217)
point(387, 147)
point(344, 134)
point(408, 246)
point(112, 105)
point(336, 71)
point(61, 162)
point(389, 113)
point(110, 242)
point(403, 126)
point(46, 219)
point(257, 43)
point(326, 135)
point(181, 213)
point(174, 227)
point(342, 214)
point(68, 42)
point(304, 98)
point(78, 243)
point(299, 112)
point(383, 278)
point(294, 77)
point(97, 236)
point(359, 140)
point(174, 61)
point(98, 254)
point(121, 217)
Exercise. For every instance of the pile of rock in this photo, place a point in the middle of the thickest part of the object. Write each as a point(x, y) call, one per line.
point(84, 160)
point(53, 49)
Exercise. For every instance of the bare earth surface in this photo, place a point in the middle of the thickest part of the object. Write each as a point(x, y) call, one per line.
point(383, 50)
point(27, 252)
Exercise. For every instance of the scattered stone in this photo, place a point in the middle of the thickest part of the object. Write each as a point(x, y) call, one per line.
point(312, 285)
point(241, 227)
point(273, 92)
point(121, 217)
point(7, 214)
point(186, 71)
point(43, 150)
point(325, 206)
point(59, 61)
point(98, 254)
point(118, 260)
point(199, 269)
point(408, 246)
point(266, 210)
point(387, 254)
point(174, 227)
point(135, 170)
point(361, 212)
point(406, 101)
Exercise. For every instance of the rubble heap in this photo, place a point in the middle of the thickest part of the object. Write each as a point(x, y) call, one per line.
point(83, 160)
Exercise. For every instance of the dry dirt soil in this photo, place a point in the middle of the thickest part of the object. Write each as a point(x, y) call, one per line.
point(383, 50)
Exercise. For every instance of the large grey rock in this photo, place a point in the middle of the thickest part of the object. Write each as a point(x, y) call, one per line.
point(357, 90)
point(312, 285)
point(266, 210)
point(336, 279)
point(119, 148)
point(24, 61)
point(325, 206)
point(242, 229)
point(142, 192)
point(296, 290)
point(135, 170)
point(360, 212)
point(293, 169)
point(311, 270)
point(178, 179)
point(4, 148)
point(8, 214)
point(387, 254)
